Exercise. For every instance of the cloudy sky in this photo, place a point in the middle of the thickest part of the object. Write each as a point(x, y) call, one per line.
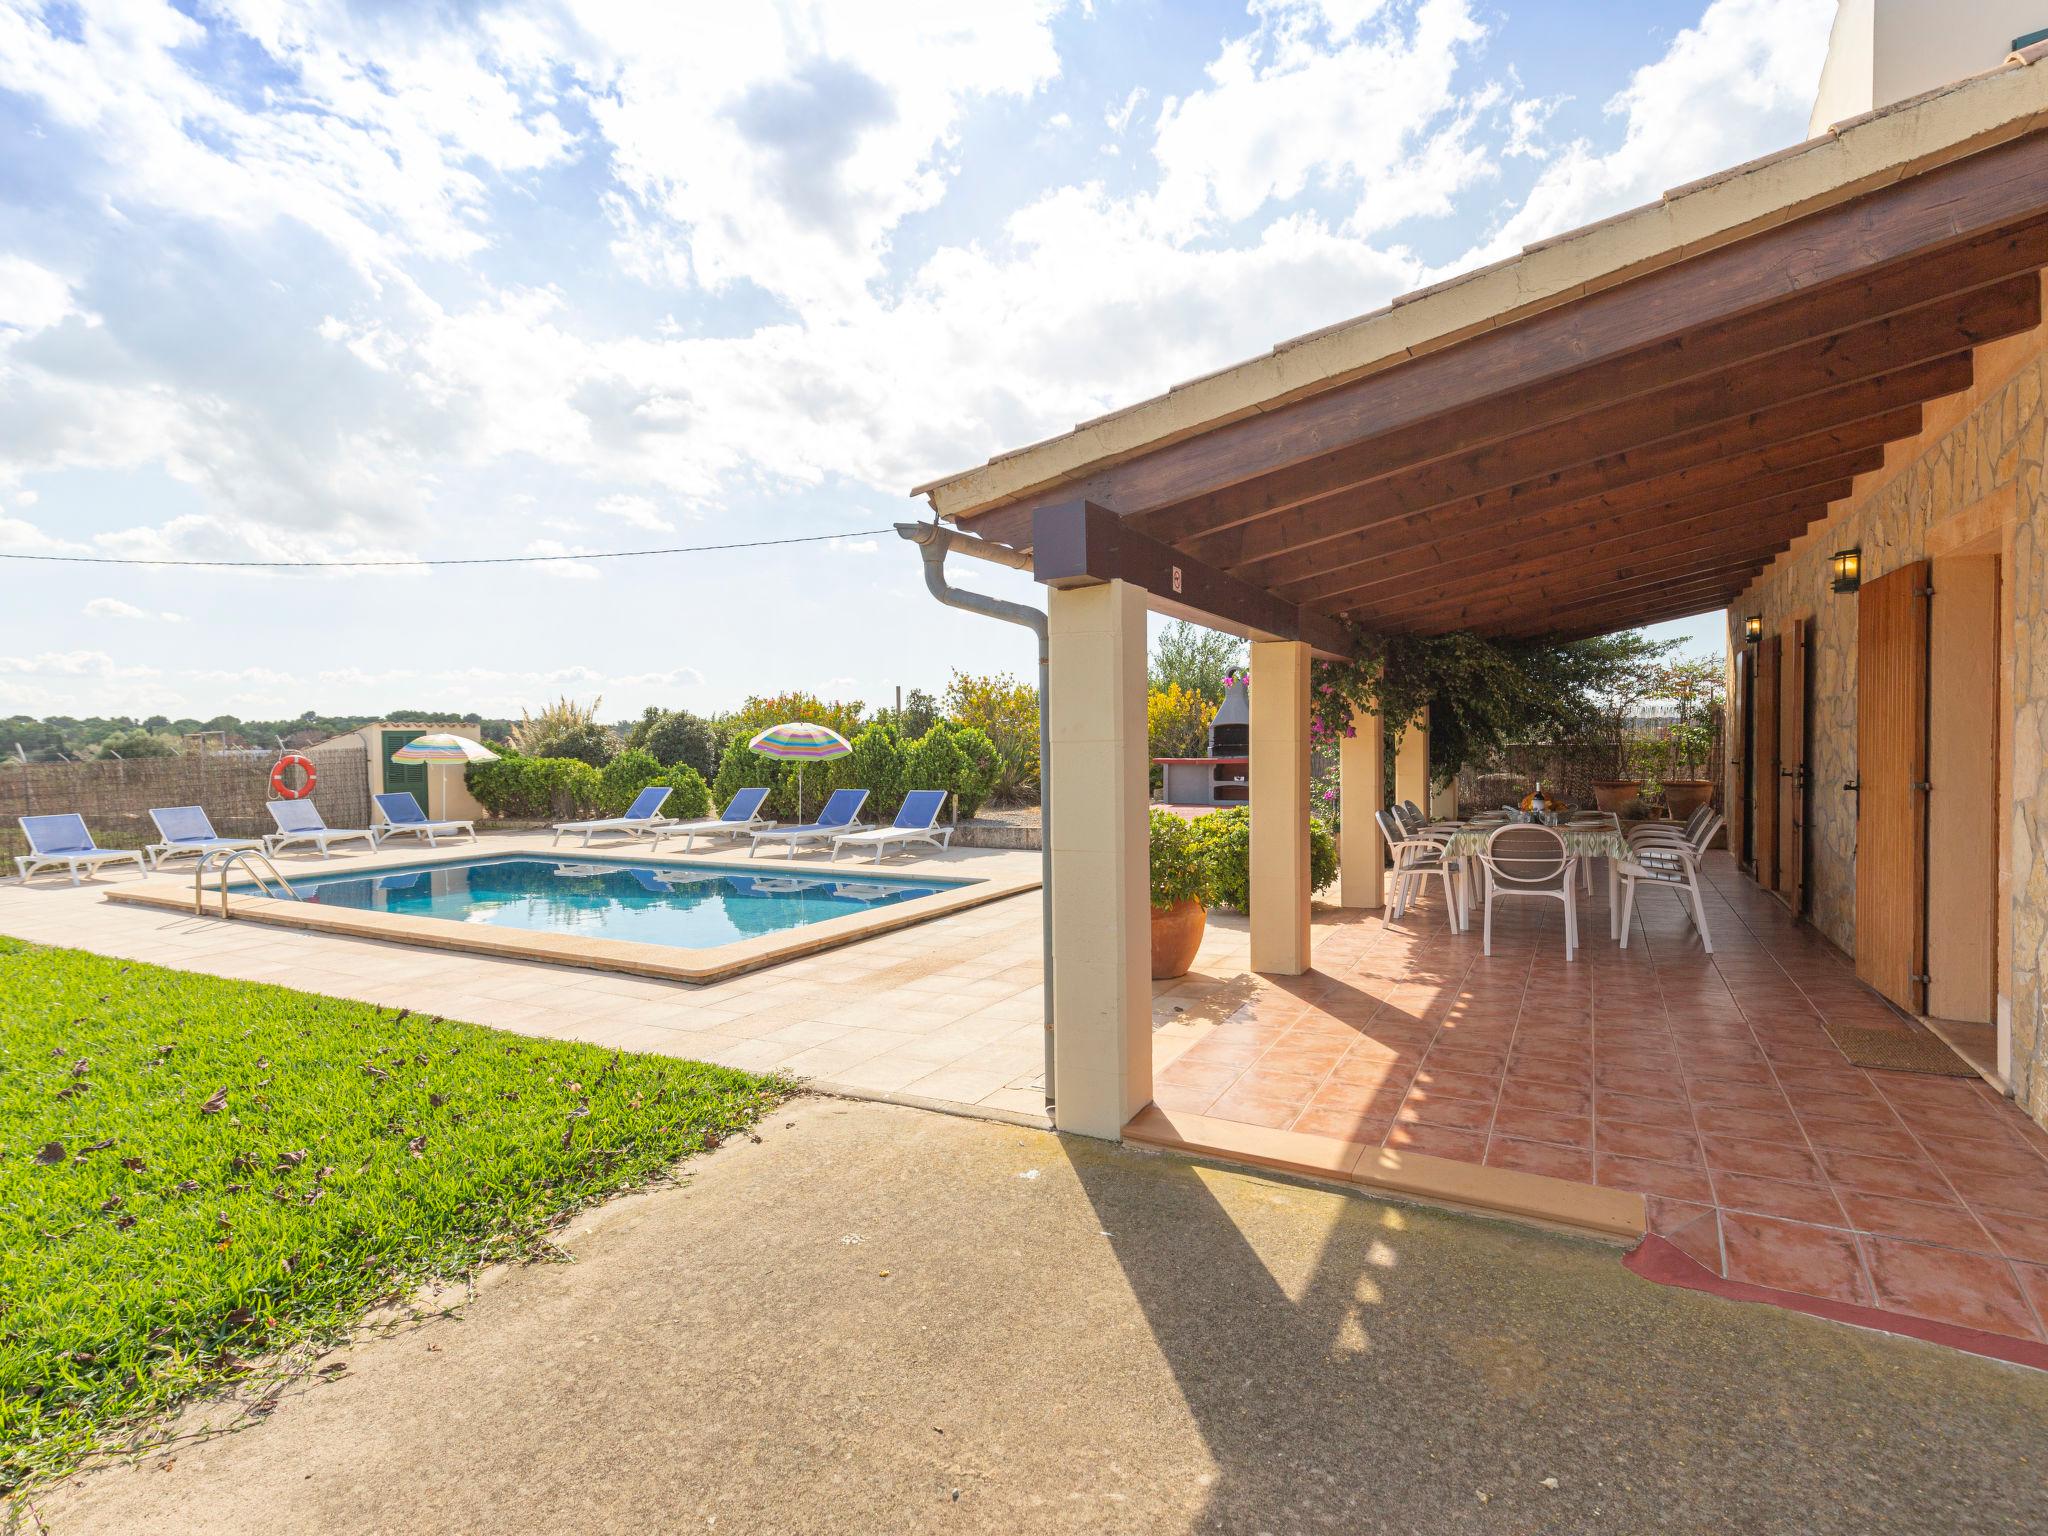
point(391, 280)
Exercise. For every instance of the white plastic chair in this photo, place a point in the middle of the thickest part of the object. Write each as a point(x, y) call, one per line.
point(1531, 861)
point(1670, 864)
point(1415, 860)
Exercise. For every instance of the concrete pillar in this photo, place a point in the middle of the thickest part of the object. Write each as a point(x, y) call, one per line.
point(1411, 762)
point(1101, 857)
point(1361, 791)
point(1279, 768)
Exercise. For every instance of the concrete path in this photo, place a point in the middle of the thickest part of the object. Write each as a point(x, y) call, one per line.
point(882, 1320)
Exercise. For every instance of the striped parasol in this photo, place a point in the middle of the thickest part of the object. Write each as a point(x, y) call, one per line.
point(801, 742)
point(443, 747)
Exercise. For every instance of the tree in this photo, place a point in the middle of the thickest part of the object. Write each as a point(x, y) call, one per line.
point(1698, 686)
point(138, 743)
point(919, 714)
point(1177, 722)
point(673, 736)
point(1197, 659)
point(1005, 711)
point(566, 729)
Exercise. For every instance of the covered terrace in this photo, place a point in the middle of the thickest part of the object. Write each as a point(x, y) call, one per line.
point(1621, 425)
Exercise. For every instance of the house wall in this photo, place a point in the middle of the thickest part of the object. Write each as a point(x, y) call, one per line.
point(1971, 481)
point(448, 793)
point(1882, 51)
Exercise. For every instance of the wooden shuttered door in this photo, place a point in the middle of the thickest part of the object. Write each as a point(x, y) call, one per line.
point(1765, 762)
point(1891, 771)
point(1791, 869)
point(1736, 799)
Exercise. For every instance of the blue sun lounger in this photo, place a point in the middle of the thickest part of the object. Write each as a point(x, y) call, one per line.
point(188, 829)
point(62, 842)
point(402, 813)
point(742, 816)
point(915, 823)
point(300, 821)
point(643, 815)
point(841, 813)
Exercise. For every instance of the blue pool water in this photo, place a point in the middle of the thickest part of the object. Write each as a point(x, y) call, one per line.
point(679, 905)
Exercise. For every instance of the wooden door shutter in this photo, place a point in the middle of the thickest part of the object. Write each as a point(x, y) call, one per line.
point(1792, 766)
point(1765, 758)
point(1735, 800)
point(1891, 771)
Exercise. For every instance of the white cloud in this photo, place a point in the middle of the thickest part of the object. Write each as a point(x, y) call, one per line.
point(555, 565)
point(113, 608)
point(20, 537)
point(1717, 97)
point(636, 510)
point(32, 298)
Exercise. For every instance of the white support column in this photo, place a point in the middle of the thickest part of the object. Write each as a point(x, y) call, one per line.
point(1279, 795)
point(1411, 762)
point(1361, 791)
point(1101, 857)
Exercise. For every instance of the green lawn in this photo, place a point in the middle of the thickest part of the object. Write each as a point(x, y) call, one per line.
point(197, 1173)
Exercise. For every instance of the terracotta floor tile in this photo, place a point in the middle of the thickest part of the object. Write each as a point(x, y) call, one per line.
point(1665, 1114)
point(1363, 1067)
point(1195, 1100)
point(1560, 1098)
point(1559, 1162)
point(1973, 1289)
point(1360, 1098)
point(2018, 1237)
point(1275, 1112)
point(1695, 1230)
point(1198, 1074)
point(1344, 1124)
point(1886, 1176)
point(1439, 1141)
point(2012, 1158)
point(1527, 1124)
point(1836, 1106)
point(1993, 1192)
point(1456, 1058)
point(1638, 1083)
point(1476, 1086)
point(1421, 1108)
point(1893, 1141)
point(2033, 1279)
point(1760, 1159)
point(1648, 1178)
point(1660, 1144)
point(1751, 1124)
point(1777, 1197)
point(1949, 1226)
point(1793, 1256)
point(1737, 1095)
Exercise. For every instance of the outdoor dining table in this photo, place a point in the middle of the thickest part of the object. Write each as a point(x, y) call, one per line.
point(1579, 842)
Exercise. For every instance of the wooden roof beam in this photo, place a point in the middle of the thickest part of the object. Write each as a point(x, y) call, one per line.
point(1719, 457)
point(1448, 559)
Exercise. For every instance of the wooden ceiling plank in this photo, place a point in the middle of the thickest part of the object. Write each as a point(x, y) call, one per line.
point(1818, 367)
point(1768, 524)
point(1452, 494)
point(1633, 482)
point(1554, 606)
point(1682, 368)
point(1446, 560)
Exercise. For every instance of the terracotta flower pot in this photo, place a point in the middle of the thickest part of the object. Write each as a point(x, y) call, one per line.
point(1176, 935)
point(1684, 796)
point(1616, 794)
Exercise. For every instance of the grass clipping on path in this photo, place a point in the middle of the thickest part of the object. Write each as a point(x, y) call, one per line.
point(195, 1173)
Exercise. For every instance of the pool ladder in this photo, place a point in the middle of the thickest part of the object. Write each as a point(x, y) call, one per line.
point(226, 858)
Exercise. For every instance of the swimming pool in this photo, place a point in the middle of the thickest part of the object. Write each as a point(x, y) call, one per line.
point(680, 906)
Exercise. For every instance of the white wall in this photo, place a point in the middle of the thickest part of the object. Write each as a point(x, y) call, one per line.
point(1882, 51)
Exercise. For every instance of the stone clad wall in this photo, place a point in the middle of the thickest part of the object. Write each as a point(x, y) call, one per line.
point(1988, 443)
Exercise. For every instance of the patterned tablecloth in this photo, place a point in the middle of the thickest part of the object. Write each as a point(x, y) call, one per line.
point(1581, 842)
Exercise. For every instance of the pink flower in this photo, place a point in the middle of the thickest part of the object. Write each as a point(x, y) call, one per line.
point(1329, 794)
point(1350, 731)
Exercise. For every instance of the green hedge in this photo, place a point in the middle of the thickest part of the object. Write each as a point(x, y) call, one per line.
point(1224, 839)
point(562, 788)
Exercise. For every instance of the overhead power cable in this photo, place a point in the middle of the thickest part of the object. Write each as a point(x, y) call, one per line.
point(357, 565)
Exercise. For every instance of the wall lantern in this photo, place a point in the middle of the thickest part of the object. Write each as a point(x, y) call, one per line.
point(1847, 566)
point(1752, 629)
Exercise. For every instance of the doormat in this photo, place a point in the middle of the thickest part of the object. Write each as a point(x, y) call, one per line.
point(1890, 1050)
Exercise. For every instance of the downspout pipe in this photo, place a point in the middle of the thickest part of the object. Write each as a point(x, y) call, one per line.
point(934, 543)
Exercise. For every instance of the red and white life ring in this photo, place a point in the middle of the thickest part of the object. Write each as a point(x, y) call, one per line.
point(281, 786)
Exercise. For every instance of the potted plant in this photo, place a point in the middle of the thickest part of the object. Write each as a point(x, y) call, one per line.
point(1697, 687)
point(1180, 890)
